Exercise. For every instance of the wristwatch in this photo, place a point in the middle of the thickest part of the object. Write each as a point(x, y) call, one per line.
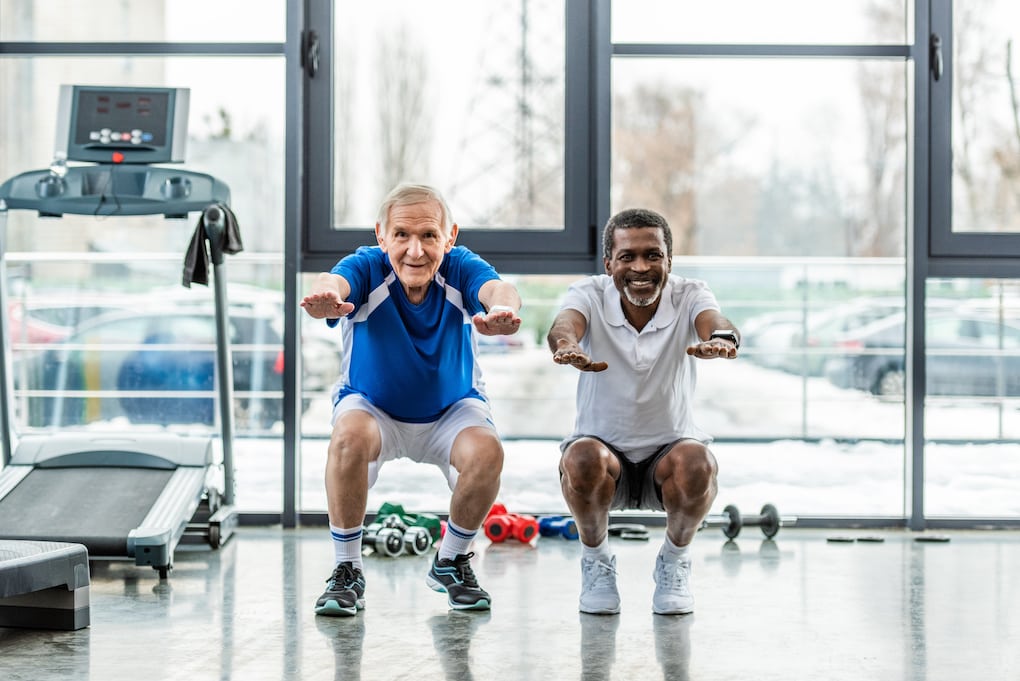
point(726, 334)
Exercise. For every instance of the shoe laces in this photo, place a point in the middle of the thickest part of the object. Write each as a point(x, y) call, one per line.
point(343, 577)
point(462, 563)
point(599, 574)
point(675, 575)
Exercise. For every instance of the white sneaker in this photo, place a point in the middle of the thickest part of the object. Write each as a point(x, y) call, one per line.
point(672, 587)
point(599, 595)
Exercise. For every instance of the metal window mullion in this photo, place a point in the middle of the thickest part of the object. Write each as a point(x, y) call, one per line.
point(101, 49)
point(758, 50)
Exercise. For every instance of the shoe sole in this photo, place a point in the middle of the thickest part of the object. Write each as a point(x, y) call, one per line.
point(600, 611)
point(438, 586)
point(675, 611)
point(333, 609)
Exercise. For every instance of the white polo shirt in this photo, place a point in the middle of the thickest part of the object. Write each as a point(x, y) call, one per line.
point(643, 400)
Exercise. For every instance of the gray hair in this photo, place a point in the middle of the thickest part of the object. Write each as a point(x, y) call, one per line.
point(409, 195)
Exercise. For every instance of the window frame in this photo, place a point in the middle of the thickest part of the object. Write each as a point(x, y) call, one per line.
point(954, 254)
point(572, 249)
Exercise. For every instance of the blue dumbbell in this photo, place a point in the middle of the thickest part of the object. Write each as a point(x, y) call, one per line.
point(557, 524)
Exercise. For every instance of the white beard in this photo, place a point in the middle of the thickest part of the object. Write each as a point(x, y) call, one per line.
point(641, 302)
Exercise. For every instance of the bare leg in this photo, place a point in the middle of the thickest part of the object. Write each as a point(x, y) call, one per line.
point(477, 454)
point(687, 477)
point(588, 478)
point(354, 444)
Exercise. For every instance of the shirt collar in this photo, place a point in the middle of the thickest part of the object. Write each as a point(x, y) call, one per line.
point(613, 307)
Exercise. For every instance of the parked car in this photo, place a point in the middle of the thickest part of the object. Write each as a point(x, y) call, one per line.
point(146, 363)
point(968, 354)
point(801, 343)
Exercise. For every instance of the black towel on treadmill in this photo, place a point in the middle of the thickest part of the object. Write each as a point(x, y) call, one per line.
point(196, 259)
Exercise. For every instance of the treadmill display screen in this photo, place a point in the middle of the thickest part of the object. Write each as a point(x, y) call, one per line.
point(122, 124)
point(121, 117)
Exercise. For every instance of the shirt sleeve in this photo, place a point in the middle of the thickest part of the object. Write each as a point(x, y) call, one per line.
point(356, 269)
point(468, 272)
point(579, 297)
point(702, 298)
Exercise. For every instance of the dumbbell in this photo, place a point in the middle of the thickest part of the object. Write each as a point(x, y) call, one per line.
point(500, 525)
point(417, 540)
point(732, 522)
point(552, 525)
point(388, 541)
point(429, 521)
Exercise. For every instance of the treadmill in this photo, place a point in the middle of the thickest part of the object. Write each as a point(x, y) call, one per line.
point(123, 495)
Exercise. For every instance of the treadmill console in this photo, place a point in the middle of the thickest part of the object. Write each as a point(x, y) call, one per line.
point(101, 124)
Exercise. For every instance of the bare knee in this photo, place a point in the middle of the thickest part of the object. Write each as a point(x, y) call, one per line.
point(477, 454)
point(355, 440)
point(689, 473)
point(586, 466)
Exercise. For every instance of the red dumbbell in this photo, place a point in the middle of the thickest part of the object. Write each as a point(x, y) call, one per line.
point(500, 525)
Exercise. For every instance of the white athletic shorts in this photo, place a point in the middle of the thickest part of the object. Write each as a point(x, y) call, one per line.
point(420, 442)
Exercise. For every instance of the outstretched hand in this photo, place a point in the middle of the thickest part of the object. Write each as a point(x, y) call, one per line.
point(575, 358)
point(498, 321)
point(326, 305)
point(711, 349)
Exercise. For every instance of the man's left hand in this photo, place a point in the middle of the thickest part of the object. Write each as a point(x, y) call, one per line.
point(498, 321)
point(710, 349)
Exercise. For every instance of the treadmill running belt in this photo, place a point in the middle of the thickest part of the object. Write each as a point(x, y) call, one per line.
point(96, 507)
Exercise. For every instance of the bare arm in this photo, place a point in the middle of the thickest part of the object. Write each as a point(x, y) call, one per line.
point(502, 302)
point(327, 299)
point(709, 348)
point(564, 335)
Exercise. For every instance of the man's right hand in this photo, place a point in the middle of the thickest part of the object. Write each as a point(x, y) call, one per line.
point(576, 358)
point(326, 305)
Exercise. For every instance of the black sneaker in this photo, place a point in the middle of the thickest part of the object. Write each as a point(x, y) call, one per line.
point(345, 592)
point(457, 580)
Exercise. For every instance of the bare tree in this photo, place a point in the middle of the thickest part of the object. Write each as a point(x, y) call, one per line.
point(404, 124)
point(655, 138)
point(970, 91)
point(880, 230)
point(343, 131)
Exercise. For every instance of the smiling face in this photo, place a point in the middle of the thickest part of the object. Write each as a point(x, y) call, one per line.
point(415, 240)
point(639, 265)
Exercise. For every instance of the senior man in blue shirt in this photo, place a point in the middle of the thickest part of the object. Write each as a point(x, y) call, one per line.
point(410, 385)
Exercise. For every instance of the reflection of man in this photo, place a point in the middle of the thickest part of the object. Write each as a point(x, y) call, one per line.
point(598, 647)
point(634, 443)
point(451, 635)
point(410, 385)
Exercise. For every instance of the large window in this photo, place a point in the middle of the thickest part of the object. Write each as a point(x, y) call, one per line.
point(470, 97)
point(841, 174)
point(976, 131)
point(102, 334)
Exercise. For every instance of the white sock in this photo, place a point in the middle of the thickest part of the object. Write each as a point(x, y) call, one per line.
point(671, 553)
point(456, 541)
point(347, 545)
point(600, 552)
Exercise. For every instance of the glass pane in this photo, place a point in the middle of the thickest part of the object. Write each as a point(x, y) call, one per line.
point(986, 119)
point(766, 157)
point(235, 133)
point(753, 399)
point(103, 334)
point(143, 21)
point(972, 411)
point(752, 21)
point(466, 96)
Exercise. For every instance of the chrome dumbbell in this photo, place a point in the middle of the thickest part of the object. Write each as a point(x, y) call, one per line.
point(389, 541)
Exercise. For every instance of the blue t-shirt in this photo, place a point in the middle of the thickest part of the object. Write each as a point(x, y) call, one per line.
point(411, 361)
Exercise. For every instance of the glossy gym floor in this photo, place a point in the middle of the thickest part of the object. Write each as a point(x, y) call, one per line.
point(797, 607)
